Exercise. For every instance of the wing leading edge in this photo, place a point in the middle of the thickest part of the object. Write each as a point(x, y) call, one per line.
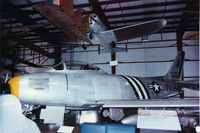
point(129, 32)
point(61, 20)
point(151, 103)
point(138, 30)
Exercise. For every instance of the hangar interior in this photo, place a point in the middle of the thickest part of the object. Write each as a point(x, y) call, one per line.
point(30, 42)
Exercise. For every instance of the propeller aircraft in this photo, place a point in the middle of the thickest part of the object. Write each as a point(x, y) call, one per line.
point(90, 29)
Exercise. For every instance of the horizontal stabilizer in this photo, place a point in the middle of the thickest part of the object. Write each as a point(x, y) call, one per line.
point(189, 85)
point(138, 30)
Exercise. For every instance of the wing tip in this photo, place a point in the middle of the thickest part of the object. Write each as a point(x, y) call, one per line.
point(164, 22)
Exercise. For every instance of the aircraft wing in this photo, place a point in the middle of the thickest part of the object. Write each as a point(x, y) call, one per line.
point(156, 103)
point(60, 19)
point(138, 30)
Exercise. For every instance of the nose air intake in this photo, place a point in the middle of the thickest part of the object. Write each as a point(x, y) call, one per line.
point(14, 85)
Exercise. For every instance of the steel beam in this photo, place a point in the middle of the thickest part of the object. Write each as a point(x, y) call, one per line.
point(9, 68)
point(104, 3)
point(146, 13)
point(151, 5)
point(9, 56)
point(145, 19)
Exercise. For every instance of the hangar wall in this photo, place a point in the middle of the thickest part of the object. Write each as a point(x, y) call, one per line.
point(137, 61)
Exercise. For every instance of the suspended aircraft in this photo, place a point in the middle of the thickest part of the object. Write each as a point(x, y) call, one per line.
point(90, 29)
point(90, 88)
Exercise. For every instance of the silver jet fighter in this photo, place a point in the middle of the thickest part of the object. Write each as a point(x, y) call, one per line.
point(89, 89)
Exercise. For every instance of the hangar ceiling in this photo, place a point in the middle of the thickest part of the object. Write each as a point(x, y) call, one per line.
point(25, 32)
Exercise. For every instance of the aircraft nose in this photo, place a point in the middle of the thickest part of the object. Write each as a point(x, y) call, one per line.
point(14, 85)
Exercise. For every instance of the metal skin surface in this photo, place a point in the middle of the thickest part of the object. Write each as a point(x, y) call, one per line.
point(96, 30)
point(100, 35)
point(73, 88)
point(91, 88)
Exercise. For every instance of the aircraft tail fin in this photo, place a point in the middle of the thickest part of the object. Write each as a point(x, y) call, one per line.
point(176, 68)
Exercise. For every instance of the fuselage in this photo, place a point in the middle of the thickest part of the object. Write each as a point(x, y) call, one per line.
point(73, 88)
point(88, 85)
point(79, 88)
point(99, 34)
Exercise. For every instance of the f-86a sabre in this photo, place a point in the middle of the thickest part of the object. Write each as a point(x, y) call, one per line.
point(87, 89)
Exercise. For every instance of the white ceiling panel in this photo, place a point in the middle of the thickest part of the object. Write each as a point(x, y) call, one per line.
point(86, 9)
point(132, 11)
point(176, 6)
point(173, 14)
point(132, 3)
point(115, 19)
point(76, 2)
point(134, 17)
point(110, 6)
point(113, 13)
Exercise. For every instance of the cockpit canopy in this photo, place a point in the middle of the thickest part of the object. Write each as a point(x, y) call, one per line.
point(74, 65)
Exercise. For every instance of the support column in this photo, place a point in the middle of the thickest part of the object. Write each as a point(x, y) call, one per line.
point(184, 23)
point(57, 54)
point(113, 58)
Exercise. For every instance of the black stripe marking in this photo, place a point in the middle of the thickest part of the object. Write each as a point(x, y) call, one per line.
point(143, 96)
point(131, 86)
point(147, 92)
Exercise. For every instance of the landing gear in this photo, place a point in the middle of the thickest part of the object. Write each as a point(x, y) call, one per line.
point(84, 47)
point(32, 112)
point(90, 36)
point(113, 114)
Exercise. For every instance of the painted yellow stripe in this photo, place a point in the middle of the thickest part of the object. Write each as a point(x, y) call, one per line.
point(14, 85)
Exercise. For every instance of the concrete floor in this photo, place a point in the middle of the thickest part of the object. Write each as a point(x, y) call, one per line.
point(70, 120)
